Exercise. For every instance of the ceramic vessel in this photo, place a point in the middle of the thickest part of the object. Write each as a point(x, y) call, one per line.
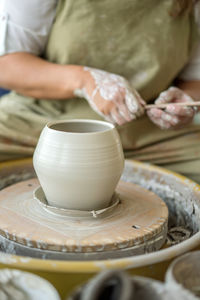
point(20, 285)
point(79, 163)
point(185, 271)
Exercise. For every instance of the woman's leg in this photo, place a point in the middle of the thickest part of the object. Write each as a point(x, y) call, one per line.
point(179, 154)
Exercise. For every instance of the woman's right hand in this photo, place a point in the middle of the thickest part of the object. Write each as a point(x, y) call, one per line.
point(111, 96)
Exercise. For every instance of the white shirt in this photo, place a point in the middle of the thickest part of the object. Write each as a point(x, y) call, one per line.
point(25, 27)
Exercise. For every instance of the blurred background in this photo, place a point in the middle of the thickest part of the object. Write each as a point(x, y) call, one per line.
point(2, 91)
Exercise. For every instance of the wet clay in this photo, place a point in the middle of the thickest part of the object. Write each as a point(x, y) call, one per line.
point(138, 224)
point(180, 195)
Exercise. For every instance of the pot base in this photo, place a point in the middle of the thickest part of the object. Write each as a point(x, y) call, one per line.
point(39, 196)
point(138, 224)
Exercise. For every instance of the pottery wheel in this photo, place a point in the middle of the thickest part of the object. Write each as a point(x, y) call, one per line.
point(137, 224)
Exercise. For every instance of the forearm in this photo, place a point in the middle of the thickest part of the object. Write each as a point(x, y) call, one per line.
point(35, 77)
point(192, 88)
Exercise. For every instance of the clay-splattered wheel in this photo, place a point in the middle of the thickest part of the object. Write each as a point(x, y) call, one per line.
point(138, 224)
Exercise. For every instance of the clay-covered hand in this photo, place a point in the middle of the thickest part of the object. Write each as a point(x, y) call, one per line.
point(174, 116)
point(111, 96)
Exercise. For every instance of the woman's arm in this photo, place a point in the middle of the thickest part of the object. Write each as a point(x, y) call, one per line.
point(24, 31)
point(108, 94)
point(35, 77)
point(187, 89)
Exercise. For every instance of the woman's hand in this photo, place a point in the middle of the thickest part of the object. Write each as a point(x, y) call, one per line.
point(174, 116)
point(111, 96)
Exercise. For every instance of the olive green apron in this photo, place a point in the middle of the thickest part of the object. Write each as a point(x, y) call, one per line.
point(136, 39)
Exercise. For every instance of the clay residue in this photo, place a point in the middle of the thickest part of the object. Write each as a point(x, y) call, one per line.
point(182, 201)
point(183, 205)
point(14, 178)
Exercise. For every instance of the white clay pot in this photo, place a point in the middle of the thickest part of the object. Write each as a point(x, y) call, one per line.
point(185, 271)
point(79, 163)
point(20, 285)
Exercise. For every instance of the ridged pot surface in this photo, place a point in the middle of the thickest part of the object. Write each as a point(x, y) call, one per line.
point(79, 163)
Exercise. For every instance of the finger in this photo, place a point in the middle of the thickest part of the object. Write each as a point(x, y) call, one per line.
point(162, 115)
point(180, 110)
point(141, 108)
point(164, 97)
point(183, 121)
point(159, 122)
point(165, 120)
point(124, 112)
point(185, 98)
point(173, 120)
point(122, 108)
point(141, 103)
point(121, 93)
point(109, 119)
point(117, 117)
point(133, 104)
point(137, 96)
point(169, 95)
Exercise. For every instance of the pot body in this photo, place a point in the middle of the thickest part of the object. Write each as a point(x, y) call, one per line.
point(79, 163)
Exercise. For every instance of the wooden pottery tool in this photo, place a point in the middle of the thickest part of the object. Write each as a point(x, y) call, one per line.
point(165, 105)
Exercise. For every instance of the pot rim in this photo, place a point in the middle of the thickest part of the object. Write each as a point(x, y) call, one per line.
point(109, 126)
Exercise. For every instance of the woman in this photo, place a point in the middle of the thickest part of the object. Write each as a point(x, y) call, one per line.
point(74, 49)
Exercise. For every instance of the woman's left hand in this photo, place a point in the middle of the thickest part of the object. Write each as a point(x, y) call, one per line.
point(174, 116)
